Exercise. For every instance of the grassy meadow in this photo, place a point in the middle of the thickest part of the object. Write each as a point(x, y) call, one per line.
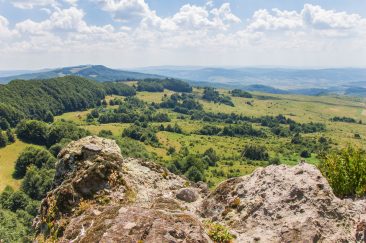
point(302, 109)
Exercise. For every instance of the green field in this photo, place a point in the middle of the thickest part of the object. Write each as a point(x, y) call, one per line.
point(8, 156)
point(302, 109)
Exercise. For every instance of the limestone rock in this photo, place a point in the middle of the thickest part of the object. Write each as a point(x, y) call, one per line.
point(99, 196)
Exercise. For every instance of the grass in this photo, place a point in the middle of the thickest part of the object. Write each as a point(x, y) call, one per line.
point(8, 156)
point(297, 107)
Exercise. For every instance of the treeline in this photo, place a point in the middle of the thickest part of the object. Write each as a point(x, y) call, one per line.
point(344, 119)
point(238, 130)
point(42, 99)
point(241, 93)
point(158, 85)
point(131, 109)
point(276, 123)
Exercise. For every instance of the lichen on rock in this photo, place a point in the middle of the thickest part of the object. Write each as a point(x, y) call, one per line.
point(99, 196)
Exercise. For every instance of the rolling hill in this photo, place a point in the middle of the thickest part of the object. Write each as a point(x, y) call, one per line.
point(96, 72)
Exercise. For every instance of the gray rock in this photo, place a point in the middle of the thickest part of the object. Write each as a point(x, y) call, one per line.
point(187, 195)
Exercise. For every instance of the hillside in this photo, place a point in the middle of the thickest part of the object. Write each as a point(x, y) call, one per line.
point(95, 72)
point(99, 196)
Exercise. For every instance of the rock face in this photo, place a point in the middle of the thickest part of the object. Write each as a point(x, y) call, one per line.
point(101, 197)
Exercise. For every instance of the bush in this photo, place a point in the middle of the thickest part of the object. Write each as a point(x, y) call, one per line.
point(211, 157)
point(346, 171)
point(65, 130)
point(255, 152)
point(32, 131)
point(305, 154)
point(194, 174)
point(33, 156)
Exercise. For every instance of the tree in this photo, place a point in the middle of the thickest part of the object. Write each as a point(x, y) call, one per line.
point(255, 152)
point(4, 124)
point(33, 156)
point(194, 174)
point(305, 154)
point(37, 182)
point(65, 130)
point(211, 156)
point(10, 135)
point(3, 140)
point(32, 131)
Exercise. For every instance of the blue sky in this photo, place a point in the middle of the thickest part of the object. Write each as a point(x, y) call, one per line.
point(134, 33)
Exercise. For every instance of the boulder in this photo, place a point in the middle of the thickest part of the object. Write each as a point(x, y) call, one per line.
point(187, 195)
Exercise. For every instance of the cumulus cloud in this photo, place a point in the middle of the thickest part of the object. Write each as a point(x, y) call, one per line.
point(317, 17)
point(193, 29)
point(310, 17)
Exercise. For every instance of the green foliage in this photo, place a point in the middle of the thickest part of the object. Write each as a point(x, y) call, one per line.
point(343, 119)
point(211, 94)
point(158, 85)
point(241, 93)
point(10, 136)
point(169, 128)
point(12, 229)
point(218, 233)
point(181, 103)
point(105, 133)
point(56, 148)
point(305, 154)
point(4, 124)
point(118, 88)
point(194, 174)
point(33, 156)
point(37, 182)
point(41, 99)
point(3, 140)
point(32, 131)
point(210, 157)
point(132, 148)
point(65, 130)
point(142, 133)
point(255, 152)
point(274, 161)
point(345, 170)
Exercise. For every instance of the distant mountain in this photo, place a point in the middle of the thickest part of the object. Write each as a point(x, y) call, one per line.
point(96, 72)
point(281, 78)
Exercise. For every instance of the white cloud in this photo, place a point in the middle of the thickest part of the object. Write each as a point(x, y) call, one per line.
point(5, 32)
point(310, 17)
point(319, 18)
point(126, 10)
point(194, 33)
point(277, 20)
point(29, 4)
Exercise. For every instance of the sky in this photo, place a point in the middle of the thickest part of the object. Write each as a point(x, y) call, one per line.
point(37, 34)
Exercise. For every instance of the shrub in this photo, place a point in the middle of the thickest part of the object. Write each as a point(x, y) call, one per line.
point(346, 171)
point(33, 156)
point(32, 131)
point(255, 152)
point(305, 154)
point(218, 233)
point(194, 174)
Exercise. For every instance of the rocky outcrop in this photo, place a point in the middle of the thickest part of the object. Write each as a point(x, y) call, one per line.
point(284, 204)
point(100, 196)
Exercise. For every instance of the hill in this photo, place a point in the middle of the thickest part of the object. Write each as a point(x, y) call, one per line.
point(297, 81)
point(96, 72)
